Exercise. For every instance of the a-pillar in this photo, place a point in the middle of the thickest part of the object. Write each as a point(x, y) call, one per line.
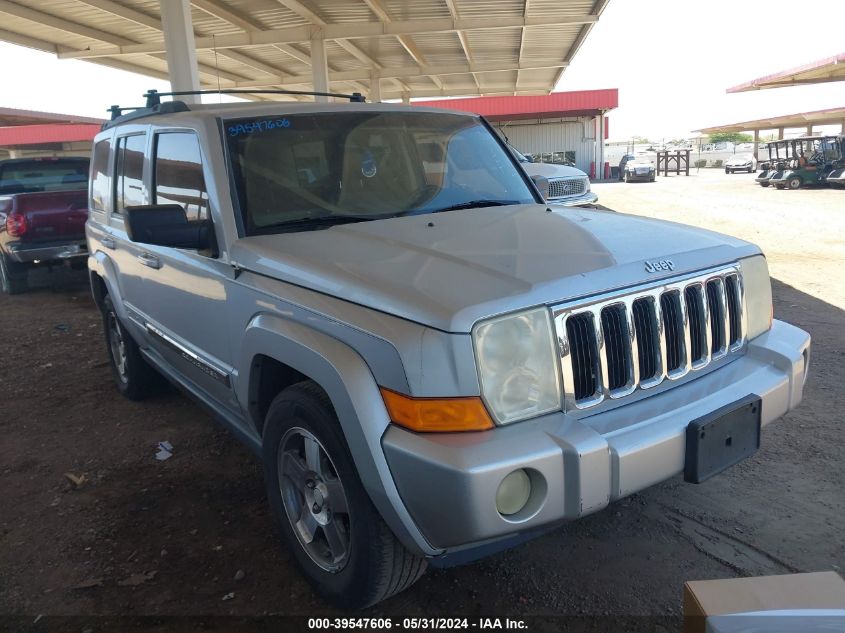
point(180, 48)
point(319, 67)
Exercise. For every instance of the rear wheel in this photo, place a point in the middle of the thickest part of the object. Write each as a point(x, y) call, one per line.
point(338, 538)
point(794, 183)
point(13, 276)
point(764, 184)
point(727, 171)
point(135, 379)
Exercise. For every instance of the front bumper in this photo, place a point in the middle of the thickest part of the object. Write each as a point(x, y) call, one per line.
point(633, 176)
point(25, 253)
point(585, 199)
point(448, 482)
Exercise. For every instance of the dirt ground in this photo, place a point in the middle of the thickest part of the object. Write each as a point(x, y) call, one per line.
point(139, 537)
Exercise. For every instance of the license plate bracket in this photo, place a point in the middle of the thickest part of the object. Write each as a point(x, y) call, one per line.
point(719, 440)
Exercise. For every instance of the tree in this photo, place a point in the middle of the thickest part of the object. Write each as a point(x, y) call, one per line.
point(730, 137)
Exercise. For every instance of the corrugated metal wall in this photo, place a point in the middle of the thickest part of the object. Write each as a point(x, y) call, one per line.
point(555, 135)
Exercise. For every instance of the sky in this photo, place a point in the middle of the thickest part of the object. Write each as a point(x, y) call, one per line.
point(670, 59)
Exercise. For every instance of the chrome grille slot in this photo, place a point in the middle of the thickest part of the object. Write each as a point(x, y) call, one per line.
point(673, 324)
point(734, 309)
point(697, 312)
point(718, 316)
point(581, 333)
point(647, 333)
point(620, 342)
point(616, 347)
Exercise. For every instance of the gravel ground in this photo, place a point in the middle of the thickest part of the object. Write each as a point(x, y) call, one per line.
point(137, 537)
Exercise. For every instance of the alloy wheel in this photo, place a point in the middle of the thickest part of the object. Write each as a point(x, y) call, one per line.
point(314, 499)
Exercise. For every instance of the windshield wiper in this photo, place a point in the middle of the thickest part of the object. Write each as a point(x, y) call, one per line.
point(319, 222)
point(472, 204)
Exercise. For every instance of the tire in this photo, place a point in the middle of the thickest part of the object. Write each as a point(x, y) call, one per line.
point(794, 183)
point(13, 276)
point(750, 170)
point(309, 474)
point(727, 171)
point(764, 184)
point(134, 377)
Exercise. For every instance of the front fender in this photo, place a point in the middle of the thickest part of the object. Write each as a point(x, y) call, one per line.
point(356, 399)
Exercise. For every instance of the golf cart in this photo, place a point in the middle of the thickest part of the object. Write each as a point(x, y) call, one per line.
point(836, 178)
point(777, 163)
point(812, 160)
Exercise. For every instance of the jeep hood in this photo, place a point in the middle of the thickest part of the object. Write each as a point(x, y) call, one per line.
point(451, 269)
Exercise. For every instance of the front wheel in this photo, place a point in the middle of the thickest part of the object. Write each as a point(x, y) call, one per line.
point(727, 171)
point(794, 183)
point(338, 538)
point(13, 277)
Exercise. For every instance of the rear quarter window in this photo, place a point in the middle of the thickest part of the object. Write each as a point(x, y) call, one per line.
point(100, 177)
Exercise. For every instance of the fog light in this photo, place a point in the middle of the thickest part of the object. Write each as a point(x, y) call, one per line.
point(513, 492)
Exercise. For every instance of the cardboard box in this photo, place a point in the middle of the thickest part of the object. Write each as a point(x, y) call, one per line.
point(702, 598)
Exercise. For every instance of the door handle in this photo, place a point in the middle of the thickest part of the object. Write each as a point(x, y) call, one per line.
point(149, 260)
point(108, 243)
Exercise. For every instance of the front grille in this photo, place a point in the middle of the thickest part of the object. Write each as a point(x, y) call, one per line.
point(611, 347)
point(564, 187)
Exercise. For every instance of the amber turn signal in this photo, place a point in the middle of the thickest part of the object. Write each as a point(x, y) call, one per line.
point(436, 415)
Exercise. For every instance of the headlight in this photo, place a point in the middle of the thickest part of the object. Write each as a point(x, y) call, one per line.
point(517, 365)
point(758, 295)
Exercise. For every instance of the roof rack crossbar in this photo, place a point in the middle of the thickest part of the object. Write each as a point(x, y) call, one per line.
point(153, 97)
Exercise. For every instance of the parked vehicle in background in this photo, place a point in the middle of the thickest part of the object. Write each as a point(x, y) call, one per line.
point(813, 160)
point(568, 186)
point(640, 169)
point(779, 153)
point(431, 361)
point(622, 163)
point(741, 162)
point(43, 208)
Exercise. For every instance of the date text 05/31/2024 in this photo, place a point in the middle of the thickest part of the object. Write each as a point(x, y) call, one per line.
point(481, 624)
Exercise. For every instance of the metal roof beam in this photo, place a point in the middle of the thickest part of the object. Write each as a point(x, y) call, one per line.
point(351, 30)
point(399, 72)
point(218, 10)
point(61, 24)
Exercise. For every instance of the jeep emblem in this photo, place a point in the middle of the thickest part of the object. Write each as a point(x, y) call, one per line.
point(660, 264)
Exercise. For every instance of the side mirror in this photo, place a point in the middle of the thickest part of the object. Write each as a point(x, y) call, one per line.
point(542, 184)
point(167, 225)
point(529, 158)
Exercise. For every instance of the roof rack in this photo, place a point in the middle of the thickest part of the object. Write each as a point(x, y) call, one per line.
point(154, 96)
point(154, 104)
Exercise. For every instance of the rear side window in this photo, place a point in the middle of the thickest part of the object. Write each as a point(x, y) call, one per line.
point(100, 178)
point(129, 168)
point(178, 174)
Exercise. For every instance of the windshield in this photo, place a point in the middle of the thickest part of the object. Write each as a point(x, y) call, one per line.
point(35, 176)
point(303, 171)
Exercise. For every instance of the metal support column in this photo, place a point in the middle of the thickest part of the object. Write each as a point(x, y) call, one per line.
point(809, 129)
point(756, 142)
point(375, 87)
point(319, 67)
point(780, 133)
point(180, 48)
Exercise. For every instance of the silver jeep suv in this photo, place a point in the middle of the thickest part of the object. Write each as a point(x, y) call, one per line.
point(431, 362)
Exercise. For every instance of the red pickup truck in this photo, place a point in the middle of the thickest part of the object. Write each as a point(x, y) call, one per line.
point(43, 209)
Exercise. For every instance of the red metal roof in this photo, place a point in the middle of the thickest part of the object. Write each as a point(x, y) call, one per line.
point(550, 106)
point(14, 116)
point(47, 133)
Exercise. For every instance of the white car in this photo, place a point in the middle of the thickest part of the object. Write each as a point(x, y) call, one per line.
point(568, 186)
point(741, 162)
